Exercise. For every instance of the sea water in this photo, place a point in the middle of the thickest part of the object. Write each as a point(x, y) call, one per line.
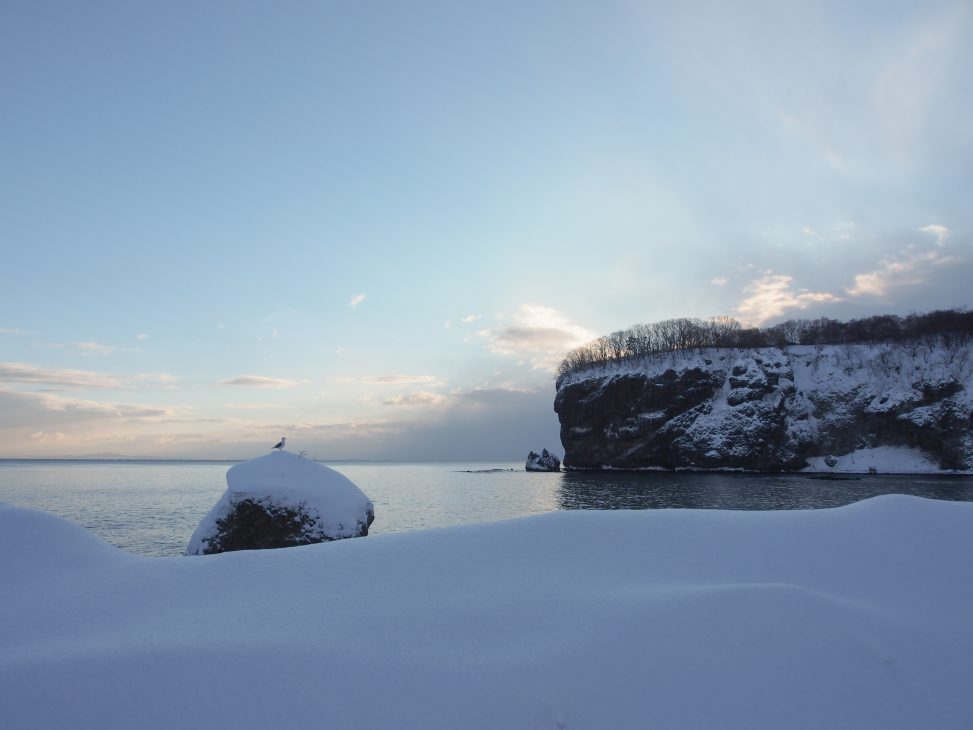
point(152, 507)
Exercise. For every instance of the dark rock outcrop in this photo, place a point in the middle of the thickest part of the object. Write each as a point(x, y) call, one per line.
point(544, 461)
point(770, 409)
point(259, 524)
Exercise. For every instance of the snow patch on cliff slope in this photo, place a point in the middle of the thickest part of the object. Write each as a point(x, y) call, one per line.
point(880, 460)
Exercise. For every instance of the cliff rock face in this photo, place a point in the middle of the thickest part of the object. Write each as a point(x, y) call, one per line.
point(774, 409)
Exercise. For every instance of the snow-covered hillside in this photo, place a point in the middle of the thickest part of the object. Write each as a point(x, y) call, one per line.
point(857, 617)
point(887, 407)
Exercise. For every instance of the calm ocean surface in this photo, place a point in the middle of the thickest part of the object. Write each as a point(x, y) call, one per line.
point(152, 507)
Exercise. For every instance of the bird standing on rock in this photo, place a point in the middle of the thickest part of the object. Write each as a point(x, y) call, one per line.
point(280, 445)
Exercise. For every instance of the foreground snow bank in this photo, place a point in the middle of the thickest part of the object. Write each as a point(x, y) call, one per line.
point(857, 617)
point(279, 500)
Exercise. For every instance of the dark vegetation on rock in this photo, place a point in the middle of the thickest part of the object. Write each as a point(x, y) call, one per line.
point(643, 340)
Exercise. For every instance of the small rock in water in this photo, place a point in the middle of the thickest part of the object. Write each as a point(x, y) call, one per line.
point(544, 461)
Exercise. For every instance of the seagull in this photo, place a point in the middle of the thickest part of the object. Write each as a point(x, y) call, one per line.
point(280, 445)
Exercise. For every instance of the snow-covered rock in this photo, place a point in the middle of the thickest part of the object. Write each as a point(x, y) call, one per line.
point(282, 500)
point(544, 461)
point(899, 407)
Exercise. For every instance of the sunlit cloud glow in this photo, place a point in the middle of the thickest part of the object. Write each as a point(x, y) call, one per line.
point(540, 333)
point(773, 295)
point(909, 268)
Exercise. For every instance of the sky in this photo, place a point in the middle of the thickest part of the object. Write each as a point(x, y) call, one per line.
point(377, 227)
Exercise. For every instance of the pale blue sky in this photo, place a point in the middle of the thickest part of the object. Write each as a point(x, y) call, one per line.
point(225, 221)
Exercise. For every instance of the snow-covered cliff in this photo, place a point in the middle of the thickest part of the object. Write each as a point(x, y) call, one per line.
point(899, 407)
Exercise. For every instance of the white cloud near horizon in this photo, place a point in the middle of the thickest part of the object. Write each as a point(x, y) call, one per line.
point(259, 381)
point(32, 407)
point(538, 333)
point(356, 300)
point(14, 372)
point(394, 379)
point(487, 422)
point(772, 295)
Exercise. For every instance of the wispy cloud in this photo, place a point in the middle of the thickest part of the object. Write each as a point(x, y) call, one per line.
point(541, 334)
point(141, 336)
point(68, 379)
point(395, 379)
point(356, 300)
point(772, 295)
point(837, 232)
point(260, 381)
point(13, 372)
point(253, 406)
point(470, 318)
point(20, 408)
point(719, 281)
point(94, 348)
point(416, 398)
point(908, 268)
point(939, 231)
point(89, 348)
point(10, 331)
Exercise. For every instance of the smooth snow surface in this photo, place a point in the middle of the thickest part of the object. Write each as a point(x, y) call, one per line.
point(288, 479)
point(856, 617)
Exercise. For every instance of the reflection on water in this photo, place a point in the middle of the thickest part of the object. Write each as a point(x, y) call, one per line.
point(660, 490)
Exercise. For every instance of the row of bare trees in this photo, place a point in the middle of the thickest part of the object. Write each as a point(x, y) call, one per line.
point(685, 333)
